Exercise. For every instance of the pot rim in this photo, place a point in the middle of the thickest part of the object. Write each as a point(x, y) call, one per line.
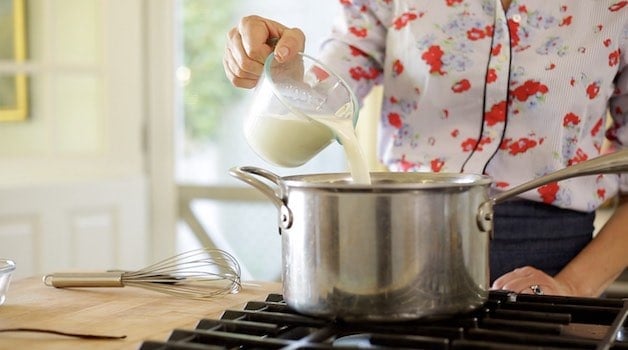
point(388, 181)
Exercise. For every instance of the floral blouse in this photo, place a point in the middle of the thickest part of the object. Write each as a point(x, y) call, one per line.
point(470, 87)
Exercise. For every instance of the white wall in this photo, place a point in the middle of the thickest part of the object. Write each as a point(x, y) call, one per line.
point(73, 184)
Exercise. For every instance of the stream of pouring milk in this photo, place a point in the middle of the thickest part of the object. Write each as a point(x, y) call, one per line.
point(341, 123)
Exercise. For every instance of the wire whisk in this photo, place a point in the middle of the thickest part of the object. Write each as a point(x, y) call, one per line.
point(197, 274)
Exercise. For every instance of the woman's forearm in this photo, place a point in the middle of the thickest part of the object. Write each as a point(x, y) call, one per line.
point(602, 260)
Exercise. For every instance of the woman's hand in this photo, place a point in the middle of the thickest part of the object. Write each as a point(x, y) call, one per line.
point(249, 43)
point(528, 280)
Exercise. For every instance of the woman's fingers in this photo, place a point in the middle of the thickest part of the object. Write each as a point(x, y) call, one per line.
point(255, 33)
point(240, 70)
point(250, 43)
point(528, 280)
point(236, 76)
point(291, 42)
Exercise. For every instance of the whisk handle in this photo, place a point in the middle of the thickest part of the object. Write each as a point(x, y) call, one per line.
point(84, 279)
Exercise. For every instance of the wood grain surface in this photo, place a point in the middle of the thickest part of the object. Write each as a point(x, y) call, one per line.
point(135, 313)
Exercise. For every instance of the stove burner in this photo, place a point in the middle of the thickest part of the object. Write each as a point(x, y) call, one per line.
point(506, 321)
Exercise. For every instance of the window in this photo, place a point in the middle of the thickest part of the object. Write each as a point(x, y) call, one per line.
point(210, 139)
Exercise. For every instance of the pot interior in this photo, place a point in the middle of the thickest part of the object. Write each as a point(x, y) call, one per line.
point(388, 181)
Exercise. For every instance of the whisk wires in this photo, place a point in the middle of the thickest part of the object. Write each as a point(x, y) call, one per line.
point(197, 274)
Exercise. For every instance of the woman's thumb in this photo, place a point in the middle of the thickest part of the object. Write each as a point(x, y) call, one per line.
point(291, 42)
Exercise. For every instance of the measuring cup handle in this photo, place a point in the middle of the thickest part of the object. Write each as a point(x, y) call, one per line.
point(276, 195)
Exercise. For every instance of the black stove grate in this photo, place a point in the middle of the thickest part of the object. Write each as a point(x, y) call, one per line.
point(506, 321)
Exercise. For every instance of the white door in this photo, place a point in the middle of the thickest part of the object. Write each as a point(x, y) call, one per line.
point(74, 187)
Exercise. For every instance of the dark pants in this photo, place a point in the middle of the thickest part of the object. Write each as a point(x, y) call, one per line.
point(536, 234)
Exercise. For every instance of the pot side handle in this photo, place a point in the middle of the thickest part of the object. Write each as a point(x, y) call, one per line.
point(276, 195)
point(616, 162)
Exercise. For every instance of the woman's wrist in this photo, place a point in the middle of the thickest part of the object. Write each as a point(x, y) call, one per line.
point(602, 261)
point(568, 286)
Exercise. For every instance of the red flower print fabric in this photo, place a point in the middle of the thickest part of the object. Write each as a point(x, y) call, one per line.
point(471, 87)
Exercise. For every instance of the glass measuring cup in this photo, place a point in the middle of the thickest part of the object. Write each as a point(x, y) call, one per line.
point(6, 270)
point(279, 126)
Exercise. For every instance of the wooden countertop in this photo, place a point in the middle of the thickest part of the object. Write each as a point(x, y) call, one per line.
point(137, 313)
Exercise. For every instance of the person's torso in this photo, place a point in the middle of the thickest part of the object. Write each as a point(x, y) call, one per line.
point(515, 95)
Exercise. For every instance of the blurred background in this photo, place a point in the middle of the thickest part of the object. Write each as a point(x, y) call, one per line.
point(118, 128)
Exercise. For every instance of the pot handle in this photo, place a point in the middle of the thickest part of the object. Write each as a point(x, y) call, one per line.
point(276, 195)
point(616, 162)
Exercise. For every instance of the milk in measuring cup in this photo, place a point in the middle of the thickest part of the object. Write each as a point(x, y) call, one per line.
point(286, 140)
point(289, 141)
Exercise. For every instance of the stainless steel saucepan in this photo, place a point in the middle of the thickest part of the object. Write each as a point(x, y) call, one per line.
point(407, 246)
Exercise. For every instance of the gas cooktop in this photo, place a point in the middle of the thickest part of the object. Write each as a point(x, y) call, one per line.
point(506, 321)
